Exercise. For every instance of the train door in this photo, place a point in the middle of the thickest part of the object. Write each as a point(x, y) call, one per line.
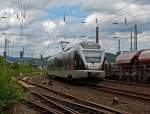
point(78, 62)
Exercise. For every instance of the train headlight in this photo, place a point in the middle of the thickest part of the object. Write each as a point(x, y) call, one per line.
point(99, 66)
point(86, 66)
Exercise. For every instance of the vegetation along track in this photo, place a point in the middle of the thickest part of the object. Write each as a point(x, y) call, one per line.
point(73, 103)
point(135, 95)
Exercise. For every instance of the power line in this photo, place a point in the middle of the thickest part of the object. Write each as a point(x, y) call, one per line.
point(36, 15)
point(120, 10)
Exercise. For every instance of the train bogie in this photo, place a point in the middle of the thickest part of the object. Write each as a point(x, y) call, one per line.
point(77, 74)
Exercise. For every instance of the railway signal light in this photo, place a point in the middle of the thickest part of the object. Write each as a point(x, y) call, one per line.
point(21, 54)
point(41, 57)
point(5, 54)
point(64, 18)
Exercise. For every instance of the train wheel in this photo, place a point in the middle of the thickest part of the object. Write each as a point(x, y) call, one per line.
point(69, 78)
point(137, 80)
point(142, 79)
point(120, 76)
point(100, 80)
point(131, 78)
point(124, 78)
point(148, 79)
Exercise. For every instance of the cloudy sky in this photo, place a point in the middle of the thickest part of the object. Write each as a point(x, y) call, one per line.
point(38, 25)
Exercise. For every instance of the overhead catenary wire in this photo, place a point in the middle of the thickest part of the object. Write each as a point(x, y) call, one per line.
point(41, 9)
point(25, 10)
point(44, 9)
point(36, 15)
point(120, 10)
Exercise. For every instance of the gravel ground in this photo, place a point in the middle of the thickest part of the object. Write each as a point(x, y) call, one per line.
point(23, 107)
point(138, 89)
point(127, 104)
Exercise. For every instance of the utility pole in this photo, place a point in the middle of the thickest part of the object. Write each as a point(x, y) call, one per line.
point(119, 46)
point(8, 48)
point(133, 41)
point(135, 37)
point(23, 51)
point(41, 61)
point(22, 55)
point(97, 32)
point(41, 64)
point(5, 50)
point(131, 38)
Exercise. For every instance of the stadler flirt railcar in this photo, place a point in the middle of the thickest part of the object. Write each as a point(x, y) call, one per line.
point(82, 61)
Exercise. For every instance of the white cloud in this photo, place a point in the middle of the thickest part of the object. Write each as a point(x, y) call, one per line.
point(144, 37)
point(43, 29)
point(49, 25)
point(7, 12)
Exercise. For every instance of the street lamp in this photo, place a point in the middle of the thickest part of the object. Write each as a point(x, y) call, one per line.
point(119, 44)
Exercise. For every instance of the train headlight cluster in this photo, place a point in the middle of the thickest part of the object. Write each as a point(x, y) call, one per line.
point(86, 66)
point(99, 66)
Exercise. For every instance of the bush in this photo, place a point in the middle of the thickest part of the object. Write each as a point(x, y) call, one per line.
point(25, 69)
point(10, 92)
point(1, 61)
point(15, 66)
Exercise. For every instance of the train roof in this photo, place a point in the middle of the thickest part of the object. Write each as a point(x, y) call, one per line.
point(141, 55)
point(90, 45)
point(84, 44)
point(126, 57)
point(145, 55)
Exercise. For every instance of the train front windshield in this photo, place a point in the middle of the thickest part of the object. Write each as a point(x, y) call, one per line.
point(92, 56)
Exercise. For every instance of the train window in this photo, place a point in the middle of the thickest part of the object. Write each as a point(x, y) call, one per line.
point(92, 56)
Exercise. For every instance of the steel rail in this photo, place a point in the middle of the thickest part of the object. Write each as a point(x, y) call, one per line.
point(43, 97)
point(42, 106)
point(126, 93)
point(81, 108)
point(92, 104)
point(68, 106)
point(127, 83)
point(57, 105)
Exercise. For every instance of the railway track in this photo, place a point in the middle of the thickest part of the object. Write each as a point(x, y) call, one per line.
point(127, 83)
point(49, 105)
point(135, 95)
point(61, 106)
point(73, 104)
